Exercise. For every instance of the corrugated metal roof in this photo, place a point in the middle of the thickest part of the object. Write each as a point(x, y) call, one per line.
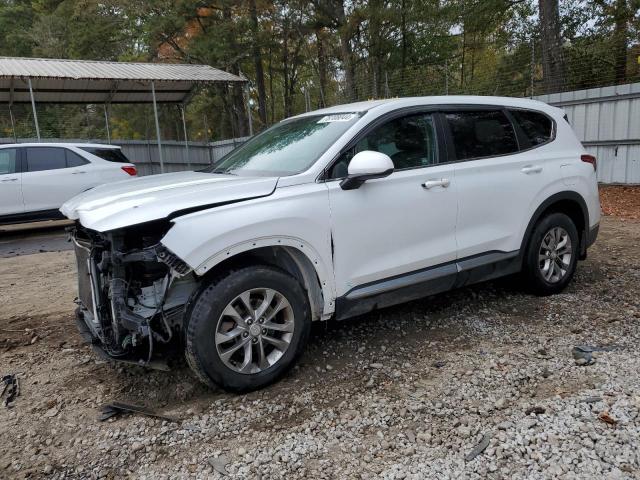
point(82, 81)
point(94, 70)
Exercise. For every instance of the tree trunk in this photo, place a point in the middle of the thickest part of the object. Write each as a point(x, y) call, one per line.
point(620, 39)
point(346, 51)
point(553, 64)
point(239, 118)
point(403, 31)
point(322, 66)
point(375, 54)
point(257, 60)
point(271, 95)
point(285, 67)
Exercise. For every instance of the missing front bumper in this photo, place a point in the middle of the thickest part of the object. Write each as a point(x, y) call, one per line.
point(83, 323)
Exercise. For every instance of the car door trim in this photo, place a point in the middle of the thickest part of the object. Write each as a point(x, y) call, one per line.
point(425, 282)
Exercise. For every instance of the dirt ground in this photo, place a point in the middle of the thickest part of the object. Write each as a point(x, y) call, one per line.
point(402, 393)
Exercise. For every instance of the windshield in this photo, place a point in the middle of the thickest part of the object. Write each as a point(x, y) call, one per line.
point(286, 148)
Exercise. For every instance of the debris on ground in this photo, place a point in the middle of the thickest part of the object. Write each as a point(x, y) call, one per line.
point(11, 389)
point(607, 418)
point(481, 447)
point(582, 357)
point(219, 464)
point(110, 410)
point(535, 410)
point(620, 200)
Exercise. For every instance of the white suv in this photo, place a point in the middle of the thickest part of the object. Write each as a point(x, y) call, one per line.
point(37, 178)
point(328, 214)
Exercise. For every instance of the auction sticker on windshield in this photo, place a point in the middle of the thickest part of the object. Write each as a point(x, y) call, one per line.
point(338, 117)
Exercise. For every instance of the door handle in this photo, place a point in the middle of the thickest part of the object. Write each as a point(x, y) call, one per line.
point(443, 182)
point(531, 169)
point(10, 180)
point(76, 173)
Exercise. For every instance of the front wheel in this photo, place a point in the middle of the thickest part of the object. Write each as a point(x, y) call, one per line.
point(247, 328)
point(552, 254)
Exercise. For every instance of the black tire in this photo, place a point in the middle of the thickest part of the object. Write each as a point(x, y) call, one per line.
point(201, 350)
point(532, 273)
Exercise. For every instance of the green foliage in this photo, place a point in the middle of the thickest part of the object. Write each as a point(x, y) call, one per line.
point(306, 54)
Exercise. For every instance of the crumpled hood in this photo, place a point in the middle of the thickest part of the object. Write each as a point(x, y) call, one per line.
point(139, 200)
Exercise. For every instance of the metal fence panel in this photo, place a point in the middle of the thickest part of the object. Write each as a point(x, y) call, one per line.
point(145, 153)
point(607, 121)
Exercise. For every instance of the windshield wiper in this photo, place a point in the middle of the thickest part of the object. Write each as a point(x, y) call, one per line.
point(224, 172)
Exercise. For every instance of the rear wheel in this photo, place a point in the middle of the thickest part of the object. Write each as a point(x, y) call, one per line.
point(552, 254)
point(247, 328)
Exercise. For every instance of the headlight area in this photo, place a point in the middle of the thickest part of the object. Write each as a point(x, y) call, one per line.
point(132, 292)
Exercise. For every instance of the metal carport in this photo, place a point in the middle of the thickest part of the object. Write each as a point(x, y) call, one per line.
point(39, 80)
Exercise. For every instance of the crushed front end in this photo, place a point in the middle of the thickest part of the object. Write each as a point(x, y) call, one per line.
point(132, 293)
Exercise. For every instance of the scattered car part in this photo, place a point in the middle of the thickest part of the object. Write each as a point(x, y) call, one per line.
point(116, 408)
point(481, 447)
point(11, 388)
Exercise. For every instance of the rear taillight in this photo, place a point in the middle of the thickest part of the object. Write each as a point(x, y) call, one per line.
point(590, 159)
point(130, 170)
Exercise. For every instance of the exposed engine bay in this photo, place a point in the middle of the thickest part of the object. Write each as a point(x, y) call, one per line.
point(132, 291)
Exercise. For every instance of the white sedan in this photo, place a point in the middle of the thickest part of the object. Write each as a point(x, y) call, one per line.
point(37, 178)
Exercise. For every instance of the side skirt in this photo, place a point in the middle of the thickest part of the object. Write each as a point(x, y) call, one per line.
point(426, 282)
point(31, 217)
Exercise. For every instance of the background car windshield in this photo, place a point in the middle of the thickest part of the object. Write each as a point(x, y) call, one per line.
point(287, 148)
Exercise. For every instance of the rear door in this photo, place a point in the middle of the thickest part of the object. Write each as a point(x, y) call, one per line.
point(51, 177)
point(10, 182)
point(498, 175)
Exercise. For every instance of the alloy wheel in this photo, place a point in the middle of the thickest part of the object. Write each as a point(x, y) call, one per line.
point(554, 257)
point(254, 330)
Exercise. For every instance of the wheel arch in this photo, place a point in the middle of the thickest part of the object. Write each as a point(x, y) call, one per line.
point(294, 256)
point(571, 204)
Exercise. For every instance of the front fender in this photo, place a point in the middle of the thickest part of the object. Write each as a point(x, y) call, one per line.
point(295, 217)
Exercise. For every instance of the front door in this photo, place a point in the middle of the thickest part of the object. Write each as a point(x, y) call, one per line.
point(10, 183)
point(392, 228)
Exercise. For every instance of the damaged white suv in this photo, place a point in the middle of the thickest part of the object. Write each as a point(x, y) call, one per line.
point(332, 213)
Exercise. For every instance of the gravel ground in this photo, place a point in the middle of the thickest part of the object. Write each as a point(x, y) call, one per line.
point(413, 391)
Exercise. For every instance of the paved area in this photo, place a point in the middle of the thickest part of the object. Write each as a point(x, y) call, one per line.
point(26, 239)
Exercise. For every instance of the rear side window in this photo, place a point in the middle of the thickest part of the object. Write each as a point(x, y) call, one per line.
point(45, 158)
point(74, 160)
point(485, 133)
point(7, 161)
point(537, 127)
point(108, 154)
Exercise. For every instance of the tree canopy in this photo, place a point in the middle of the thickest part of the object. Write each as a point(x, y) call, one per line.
point(301, 55)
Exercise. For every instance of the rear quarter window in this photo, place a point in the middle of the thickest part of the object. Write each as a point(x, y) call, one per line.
point(537, 127)
point(108, 154)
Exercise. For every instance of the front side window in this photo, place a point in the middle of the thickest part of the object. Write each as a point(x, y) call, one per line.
point(537, 127)
point(8, 161)
point(409, 141)
point(286, 148)
point(484, 133)
point(45, 158)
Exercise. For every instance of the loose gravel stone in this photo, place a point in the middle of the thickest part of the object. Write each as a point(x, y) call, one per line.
point(405, 393)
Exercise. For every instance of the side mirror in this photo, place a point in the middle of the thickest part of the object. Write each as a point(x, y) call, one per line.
point(365, 166)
